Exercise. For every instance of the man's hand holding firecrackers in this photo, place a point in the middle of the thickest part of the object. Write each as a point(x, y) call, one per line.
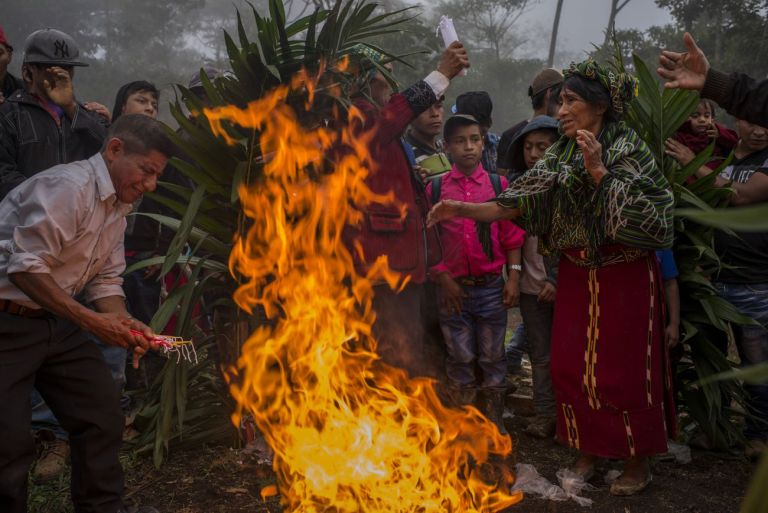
point(123, 331)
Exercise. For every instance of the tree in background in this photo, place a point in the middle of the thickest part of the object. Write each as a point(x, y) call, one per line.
point(487, 24)
point(616, 7)
point(553, 38)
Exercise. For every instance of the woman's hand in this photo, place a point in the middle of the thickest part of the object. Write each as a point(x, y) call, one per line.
point(593, 154)
point(443, 211)
point(678, 151)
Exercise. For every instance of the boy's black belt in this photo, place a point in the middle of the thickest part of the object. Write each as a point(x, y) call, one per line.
point(478, 281)
point(13, 308)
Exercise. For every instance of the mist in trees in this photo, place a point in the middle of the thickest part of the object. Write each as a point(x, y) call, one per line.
point(167, 41)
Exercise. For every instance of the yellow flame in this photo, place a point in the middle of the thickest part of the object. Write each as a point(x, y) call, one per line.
point(349, 433)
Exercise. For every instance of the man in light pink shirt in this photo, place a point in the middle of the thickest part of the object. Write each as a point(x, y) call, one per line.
point(472, 292)
point(61, 234)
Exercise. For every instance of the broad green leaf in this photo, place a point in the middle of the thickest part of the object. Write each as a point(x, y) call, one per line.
point(180, 239)
point(756, 500)
point(754, 374)
point(211, 265)
point(744, 219)
point(196, 235)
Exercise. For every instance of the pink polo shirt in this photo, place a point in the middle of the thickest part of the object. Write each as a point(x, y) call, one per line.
point(462, 252)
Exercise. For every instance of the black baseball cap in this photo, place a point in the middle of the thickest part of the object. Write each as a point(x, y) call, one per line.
point(477, 104)
point(52, 47)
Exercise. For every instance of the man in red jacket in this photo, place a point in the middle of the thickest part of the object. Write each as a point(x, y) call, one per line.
point(405, 240)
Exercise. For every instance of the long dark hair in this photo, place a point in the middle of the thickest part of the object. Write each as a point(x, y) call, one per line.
point(593, 93)
point(127, 90)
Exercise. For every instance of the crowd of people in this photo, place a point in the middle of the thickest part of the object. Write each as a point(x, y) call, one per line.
point(565, 214)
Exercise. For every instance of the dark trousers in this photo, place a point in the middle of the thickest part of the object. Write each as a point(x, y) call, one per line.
point(53, 355)
point(537, 317)
point(402, 330)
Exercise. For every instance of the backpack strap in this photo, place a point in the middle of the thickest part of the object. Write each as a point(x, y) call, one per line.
point(437, 185)
point(495, 182)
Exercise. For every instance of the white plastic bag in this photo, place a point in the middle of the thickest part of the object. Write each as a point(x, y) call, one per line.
point(573, 484)
point(681, 452)
point(528, 480)
point(448, 31)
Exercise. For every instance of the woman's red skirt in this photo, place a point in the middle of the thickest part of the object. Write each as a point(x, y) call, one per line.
point(609, 363)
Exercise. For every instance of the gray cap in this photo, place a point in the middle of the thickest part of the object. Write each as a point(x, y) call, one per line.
point(53, 47)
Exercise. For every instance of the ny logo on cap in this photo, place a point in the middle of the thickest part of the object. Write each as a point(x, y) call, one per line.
point(61, 49)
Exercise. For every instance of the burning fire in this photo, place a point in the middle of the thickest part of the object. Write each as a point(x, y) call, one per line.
point(349, 433)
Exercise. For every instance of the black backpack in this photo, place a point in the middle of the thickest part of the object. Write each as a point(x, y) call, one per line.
point(437, 185)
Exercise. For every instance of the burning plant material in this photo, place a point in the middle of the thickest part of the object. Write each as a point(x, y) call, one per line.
point(349, 433)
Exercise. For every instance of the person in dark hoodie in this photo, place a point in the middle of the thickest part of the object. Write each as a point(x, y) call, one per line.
point(44, 125)
point(8, 83)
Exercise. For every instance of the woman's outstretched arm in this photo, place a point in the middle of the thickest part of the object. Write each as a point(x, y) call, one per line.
point(485, 212)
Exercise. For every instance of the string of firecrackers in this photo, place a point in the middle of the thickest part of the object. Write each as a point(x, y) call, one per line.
point(184, 349)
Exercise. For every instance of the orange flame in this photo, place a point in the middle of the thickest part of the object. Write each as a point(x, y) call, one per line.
point(349, 433)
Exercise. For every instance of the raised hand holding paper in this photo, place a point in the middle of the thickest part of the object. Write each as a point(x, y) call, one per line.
point(448, 32)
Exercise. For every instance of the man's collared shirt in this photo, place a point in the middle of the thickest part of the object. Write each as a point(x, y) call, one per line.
point(463, 253)
point(66, 222)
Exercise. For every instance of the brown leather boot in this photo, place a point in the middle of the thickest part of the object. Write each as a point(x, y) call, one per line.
point(52, 461)
point(491, 403)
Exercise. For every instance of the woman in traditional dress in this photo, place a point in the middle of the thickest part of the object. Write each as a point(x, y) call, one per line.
point(598, 197)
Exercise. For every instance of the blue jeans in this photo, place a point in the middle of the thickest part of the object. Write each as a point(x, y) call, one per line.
point(516, 346)
point(752, 342)
point(476, 337)
point(42, 416)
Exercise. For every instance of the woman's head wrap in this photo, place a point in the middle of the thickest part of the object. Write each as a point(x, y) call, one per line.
point(622, 87)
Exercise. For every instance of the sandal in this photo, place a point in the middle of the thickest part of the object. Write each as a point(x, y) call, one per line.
point(586, 472)
point(625, 485)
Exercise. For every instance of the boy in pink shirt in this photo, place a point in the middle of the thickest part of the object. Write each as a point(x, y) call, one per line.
point(472, 292)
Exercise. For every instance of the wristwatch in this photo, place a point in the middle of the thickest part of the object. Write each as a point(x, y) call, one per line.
point(515, 267)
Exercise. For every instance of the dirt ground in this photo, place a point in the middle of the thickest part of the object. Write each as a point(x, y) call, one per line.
point(221, 480)
point(225, 480)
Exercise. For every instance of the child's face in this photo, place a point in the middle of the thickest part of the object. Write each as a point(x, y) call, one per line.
point(141, 102)
point(465, 145)
point(535, 144)
point(702, 119)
